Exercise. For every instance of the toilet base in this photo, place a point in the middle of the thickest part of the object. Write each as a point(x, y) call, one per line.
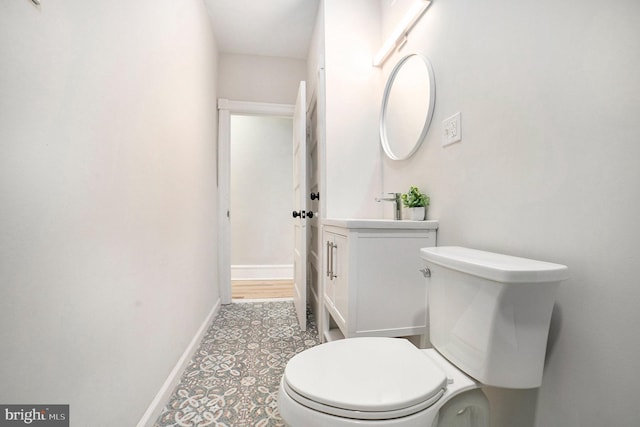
point(469, 409)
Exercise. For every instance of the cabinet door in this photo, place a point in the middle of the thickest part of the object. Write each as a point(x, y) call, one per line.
point(392, 294)
point(335, 277)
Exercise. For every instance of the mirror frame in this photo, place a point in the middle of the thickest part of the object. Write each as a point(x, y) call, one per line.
point(385, 101)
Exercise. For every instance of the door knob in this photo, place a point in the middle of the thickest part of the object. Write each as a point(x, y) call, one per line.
point(297, 214)
point(315, 196)
point(310, 214)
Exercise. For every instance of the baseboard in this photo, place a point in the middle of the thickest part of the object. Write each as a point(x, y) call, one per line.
point(262, 272)
point(157, 404)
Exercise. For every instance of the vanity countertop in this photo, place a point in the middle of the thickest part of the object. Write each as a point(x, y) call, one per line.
point(388, 224)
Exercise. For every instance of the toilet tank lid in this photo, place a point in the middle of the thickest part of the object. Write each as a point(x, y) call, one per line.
point(497, 267)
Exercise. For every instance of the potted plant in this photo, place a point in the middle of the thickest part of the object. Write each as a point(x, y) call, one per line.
point(416, 203)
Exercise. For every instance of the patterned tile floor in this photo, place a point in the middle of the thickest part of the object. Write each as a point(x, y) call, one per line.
point(233, 377)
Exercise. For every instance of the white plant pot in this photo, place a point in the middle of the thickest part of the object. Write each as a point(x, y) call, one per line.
point(417, 214)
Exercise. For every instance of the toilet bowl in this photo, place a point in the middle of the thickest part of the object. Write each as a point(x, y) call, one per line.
point(477, 339)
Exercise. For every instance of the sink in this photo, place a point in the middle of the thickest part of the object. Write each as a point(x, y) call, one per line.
point(381, 223)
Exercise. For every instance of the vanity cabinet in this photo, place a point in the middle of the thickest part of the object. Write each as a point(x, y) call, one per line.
point(372, 280)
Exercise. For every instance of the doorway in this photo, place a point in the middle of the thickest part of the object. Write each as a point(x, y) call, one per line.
point(260, 198)
point(315, 177)
point(240, 111)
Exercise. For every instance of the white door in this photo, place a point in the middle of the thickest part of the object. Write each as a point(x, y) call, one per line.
point(300, 207)
point(315, 247)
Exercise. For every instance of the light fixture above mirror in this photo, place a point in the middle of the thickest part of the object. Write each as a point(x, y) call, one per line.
point(399, 34)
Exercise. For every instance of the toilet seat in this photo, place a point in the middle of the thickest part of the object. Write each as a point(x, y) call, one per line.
point(365, 378)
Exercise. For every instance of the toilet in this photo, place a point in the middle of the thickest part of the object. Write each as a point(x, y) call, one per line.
point(489, 318)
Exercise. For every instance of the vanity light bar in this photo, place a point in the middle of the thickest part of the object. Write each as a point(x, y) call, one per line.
point(399, 35)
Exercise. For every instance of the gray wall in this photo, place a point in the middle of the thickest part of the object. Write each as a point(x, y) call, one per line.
point(547, 169)
point(261, 190)
point(107, 200)
point(260, 78)
point(353, 163)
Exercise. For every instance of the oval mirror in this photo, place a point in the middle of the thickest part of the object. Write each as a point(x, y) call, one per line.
point(407, 106)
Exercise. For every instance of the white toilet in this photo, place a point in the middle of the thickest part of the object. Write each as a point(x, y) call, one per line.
point(489, 320)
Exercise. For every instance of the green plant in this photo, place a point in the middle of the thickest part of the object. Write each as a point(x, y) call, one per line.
point(414, 198)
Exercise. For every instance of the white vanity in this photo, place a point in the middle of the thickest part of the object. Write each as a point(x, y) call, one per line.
point(373, 285)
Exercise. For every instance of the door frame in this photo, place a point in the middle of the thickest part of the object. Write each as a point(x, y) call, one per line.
point(227, 108)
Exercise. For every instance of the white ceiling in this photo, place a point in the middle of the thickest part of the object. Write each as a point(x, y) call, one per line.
point(263, 27)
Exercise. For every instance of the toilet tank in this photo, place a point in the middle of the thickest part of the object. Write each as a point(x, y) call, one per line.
point(489, 313)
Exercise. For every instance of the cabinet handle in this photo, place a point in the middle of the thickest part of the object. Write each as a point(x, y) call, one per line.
point(330, 247)
point(328, 259)
point(333, 275)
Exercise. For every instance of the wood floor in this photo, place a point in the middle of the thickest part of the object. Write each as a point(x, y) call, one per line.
point(260, 289)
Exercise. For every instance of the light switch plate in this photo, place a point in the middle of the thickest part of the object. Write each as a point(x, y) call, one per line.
point(451, 130)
